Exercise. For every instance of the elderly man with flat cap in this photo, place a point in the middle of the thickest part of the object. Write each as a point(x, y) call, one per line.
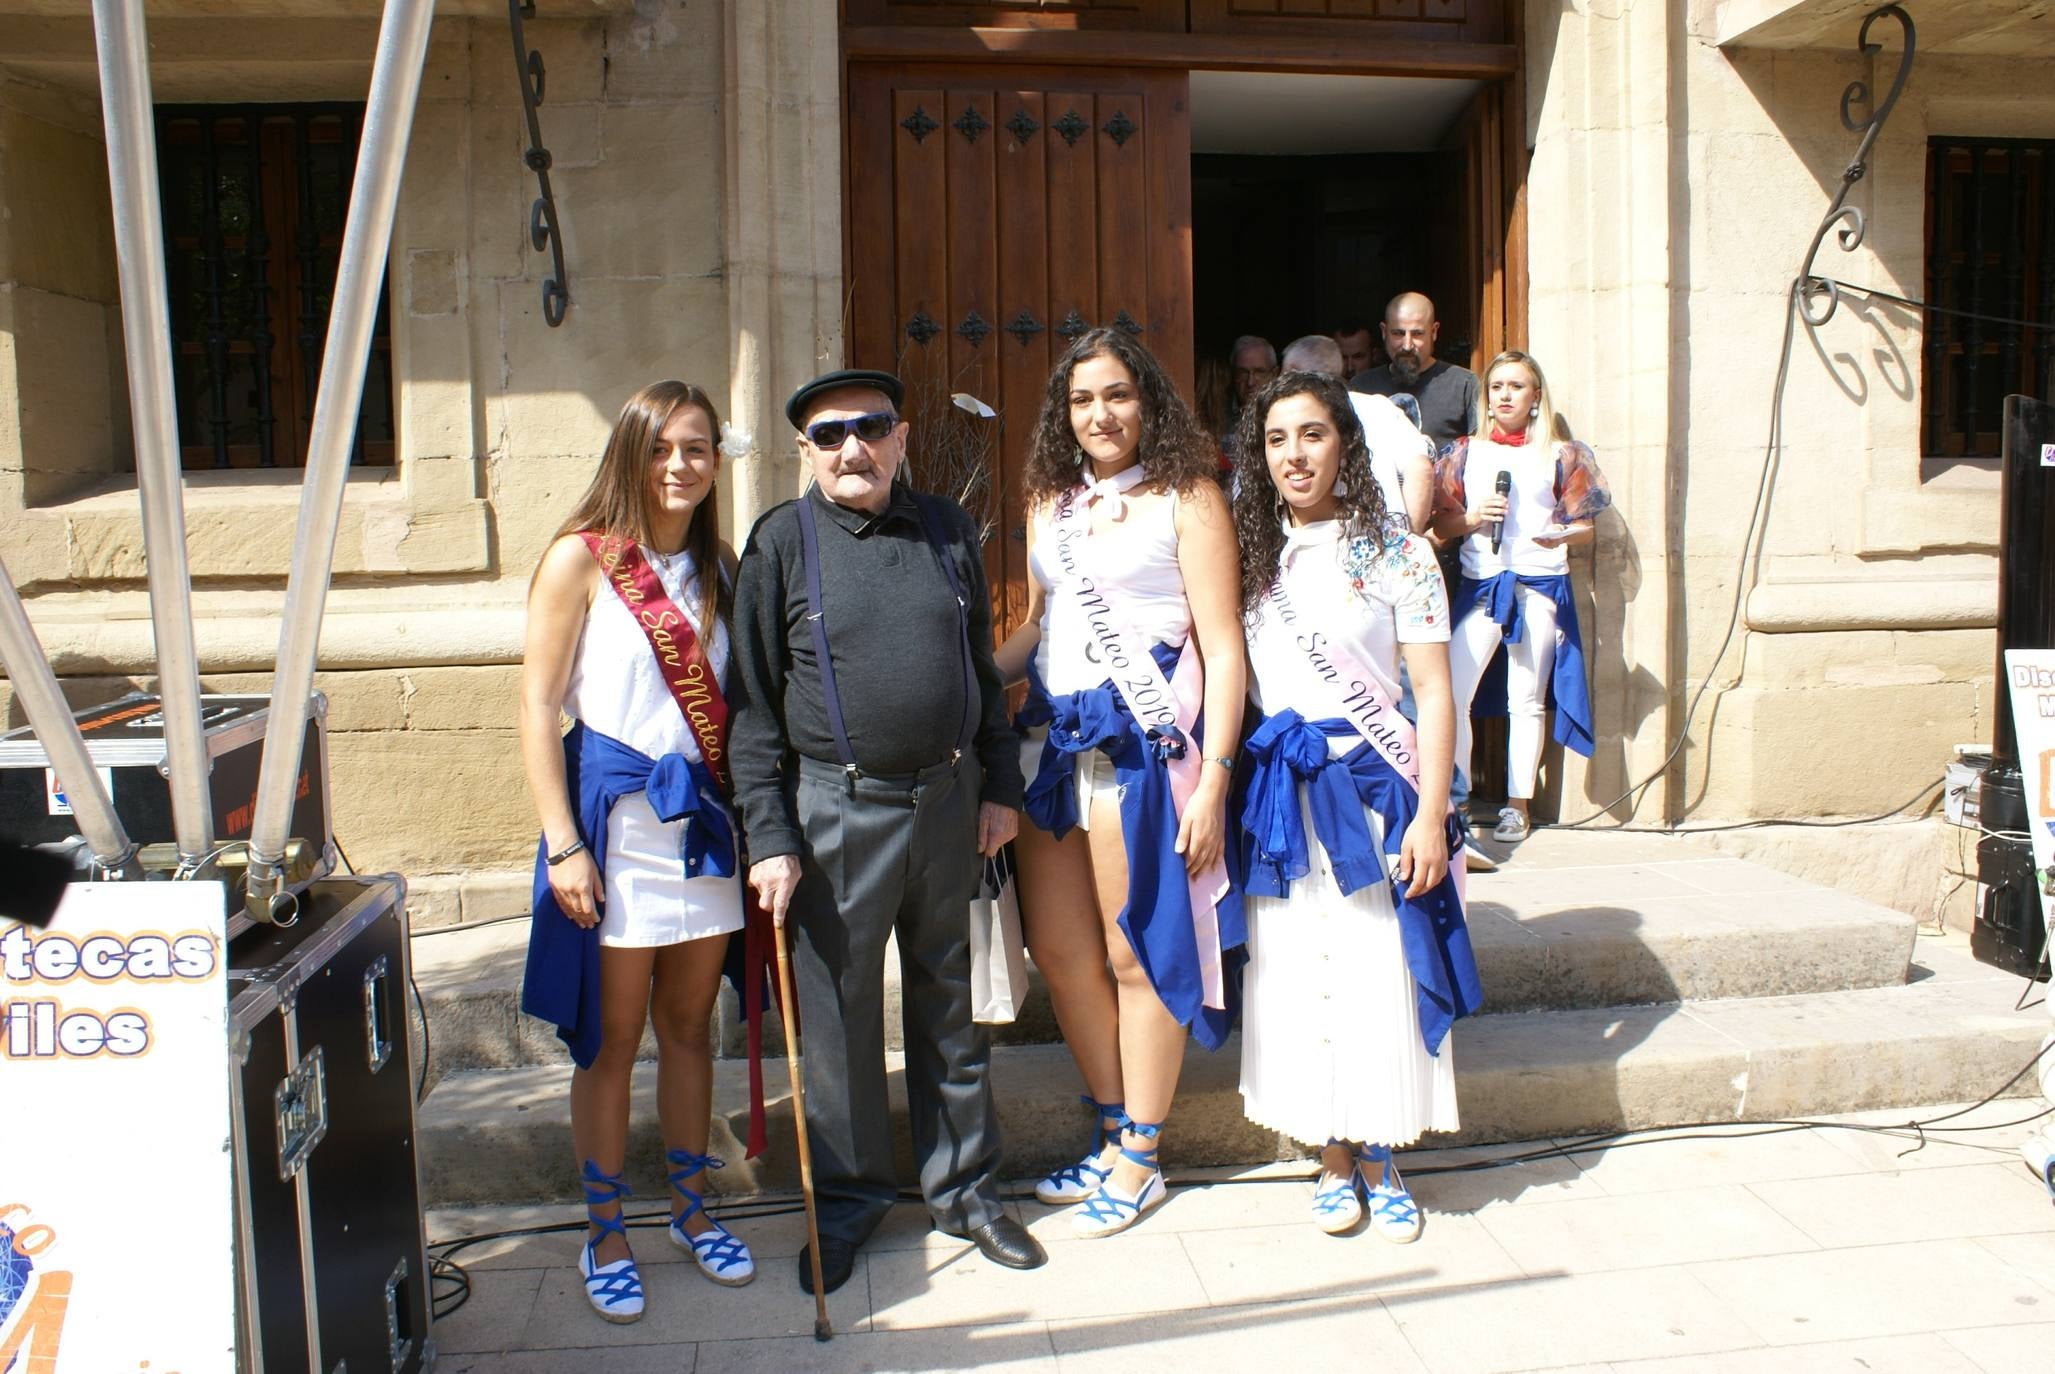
point(873, 765)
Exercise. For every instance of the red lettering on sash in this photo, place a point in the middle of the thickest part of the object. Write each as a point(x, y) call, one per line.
point(680, 660)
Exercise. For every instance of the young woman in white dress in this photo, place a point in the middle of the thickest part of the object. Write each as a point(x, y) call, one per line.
point(636, 889)
point(1359, 959)
point(1515, 587)
point(1134, 662)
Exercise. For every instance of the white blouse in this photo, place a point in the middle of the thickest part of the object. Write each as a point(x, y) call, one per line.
point(1134, 557)
point(1530, 509)
point(1366, 596)
point(616, 686)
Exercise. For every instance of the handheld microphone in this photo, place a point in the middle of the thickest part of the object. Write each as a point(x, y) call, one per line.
point(1502, 487)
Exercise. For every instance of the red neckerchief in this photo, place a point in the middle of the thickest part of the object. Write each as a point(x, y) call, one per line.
point(1499, 436)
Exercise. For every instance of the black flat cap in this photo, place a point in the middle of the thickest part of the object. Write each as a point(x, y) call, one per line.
point(795, 406)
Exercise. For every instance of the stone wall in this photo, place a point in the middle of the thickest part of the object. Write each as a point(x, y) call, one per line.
point(1676, 186)
point(60, 314)
point(690, 140)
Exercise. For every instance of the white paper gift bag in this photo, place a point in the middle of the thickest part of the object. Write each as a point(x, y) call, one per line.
point(998, 961)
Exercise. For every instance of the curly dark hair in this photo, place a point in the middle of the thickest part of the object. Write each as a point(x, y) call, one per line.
point(1176, 451)
point(1258, 514)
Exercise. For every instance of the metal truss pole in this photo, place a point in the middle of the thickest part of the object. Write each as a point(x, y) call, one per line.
point(21, 653)
point(367, 235)
point(146, 331)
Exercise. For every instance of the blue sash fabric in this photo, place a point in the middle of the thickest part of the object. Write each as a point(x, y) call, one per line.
point(1157, 918)
point(1286, 751)
point(1568, 691)
point(561, 984)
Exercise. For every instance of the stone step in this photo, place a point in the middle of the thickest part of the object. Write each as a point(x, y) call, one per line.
point(1553, 938)
point(1951, 1034)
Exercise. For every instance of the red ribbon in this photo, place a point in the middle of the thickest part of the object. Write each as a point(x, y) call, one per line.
point(679, 657)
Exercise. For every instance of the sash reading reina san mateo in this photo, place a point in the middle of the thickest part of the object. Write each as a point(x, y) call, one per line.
point(1376, 719)
point(679, 656)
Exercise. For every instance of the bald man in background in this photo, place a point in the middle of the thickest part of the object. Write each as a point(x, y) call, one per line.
point(1447, 394)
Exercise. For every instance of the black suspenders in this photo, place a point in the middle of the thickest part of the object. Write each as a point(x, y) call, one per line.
point(810, 553)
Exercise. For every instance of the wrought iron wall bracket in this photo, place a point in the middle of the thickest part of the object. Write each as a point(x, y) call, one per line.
point(1820, 296)
point(543, 229)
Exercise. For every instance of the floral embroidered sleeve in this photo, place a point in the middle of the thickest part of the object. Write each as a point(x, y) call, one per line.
point(1449, 496)
point(1410, 580)
point(1581, 492)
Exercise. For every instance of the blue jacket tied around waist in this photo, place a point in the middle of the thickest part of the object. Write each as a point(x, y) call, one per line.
point(1288, 750)
point(561, 984)
point(1567, 690)
point(1157, 919)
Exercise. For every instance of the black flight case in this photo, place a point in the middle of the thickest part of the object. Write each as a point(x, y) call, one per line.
point(331, 1268)
point(126, 741)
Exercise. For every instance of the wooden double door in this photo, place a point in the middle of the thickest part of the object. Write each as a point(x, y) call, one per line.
point(996, 211)
point(996, 214)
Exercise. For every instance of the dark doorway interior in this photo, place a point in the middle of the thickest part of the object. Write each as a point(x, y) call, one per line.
point(1284, 246)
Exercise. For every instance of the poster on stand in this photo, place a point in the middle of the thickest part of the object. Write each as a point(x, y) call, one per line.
point(116, 1196)
point(2030, 676)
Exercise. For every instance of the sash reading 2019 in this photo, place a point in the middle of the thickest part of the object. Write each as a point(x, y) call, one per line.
point(35, 1026)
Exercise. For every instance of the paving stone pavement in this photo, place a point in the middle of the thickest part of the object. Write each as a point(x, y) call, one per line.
point(1795, 1250)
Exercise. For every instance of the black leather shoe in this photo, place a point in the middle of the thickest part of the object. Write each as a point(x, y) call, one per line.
point(838, 1259)
point(1003, 1240)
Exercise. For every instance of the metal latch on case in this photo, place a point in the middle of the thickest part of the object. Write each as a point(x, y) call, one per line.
point(301, 1104)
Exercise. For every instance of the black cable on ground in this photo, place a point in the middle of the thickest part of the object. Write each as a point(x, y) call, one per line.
point(443, 1268)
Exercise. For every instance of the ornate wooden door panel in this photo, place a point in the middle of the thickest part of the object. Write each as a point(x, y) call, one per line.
point(1051, 14)
point(994, 215)
point(1472, 21)
point(1494, 214)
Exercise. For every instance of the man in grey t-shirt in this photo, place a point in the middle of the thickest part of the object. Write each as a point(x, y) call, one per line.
point(1447, 394)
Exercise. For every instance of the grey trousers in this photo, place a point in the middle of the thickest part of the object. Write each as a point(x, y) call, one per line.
point(893, 856)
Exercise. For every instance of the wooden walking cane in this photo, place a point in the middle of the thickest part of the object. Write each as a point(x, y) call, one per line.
point(821, 1329)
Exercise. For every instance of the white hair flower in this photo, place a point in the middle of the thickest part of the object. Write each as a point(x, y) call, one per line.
point(734, 442)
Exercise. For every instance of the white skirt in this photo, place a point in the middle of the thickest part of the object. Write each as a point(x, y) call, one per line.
point(1093, 775)
point(1330, 1029)
point(649, 900)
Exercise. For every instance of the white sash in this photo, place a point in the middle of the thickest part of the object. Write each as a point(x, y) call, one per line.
point(1123, 654)
point(1355, 694)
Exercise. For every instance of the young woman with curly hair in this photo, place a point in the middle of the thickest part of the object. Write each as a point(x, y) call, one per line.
point(1133, 655)
point(1359, 959)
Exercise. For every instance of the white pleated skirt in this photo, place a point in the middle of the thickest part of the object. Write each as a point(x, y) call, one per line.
point(1330, 1027)
point(649, 900)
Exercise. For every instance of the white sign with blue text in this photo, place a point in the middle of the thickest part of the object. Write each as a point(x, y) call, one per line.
point(116, 1212)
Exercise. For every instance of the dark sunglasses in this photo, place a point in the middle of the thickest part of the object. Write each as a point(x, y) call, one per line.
point(870, 428)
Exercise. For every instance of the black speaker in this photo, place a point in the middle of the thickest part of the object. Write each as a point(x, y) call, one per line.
point(2008, 933)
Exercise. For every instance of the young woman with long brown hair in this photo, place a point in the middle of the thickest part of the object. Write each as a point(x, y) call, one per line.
point(636, 890)
point(1133, 655)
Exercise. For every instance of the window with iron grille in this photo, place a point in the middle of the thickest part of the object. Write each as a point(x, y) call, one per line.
point(1990, 254)
point(254, 202)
